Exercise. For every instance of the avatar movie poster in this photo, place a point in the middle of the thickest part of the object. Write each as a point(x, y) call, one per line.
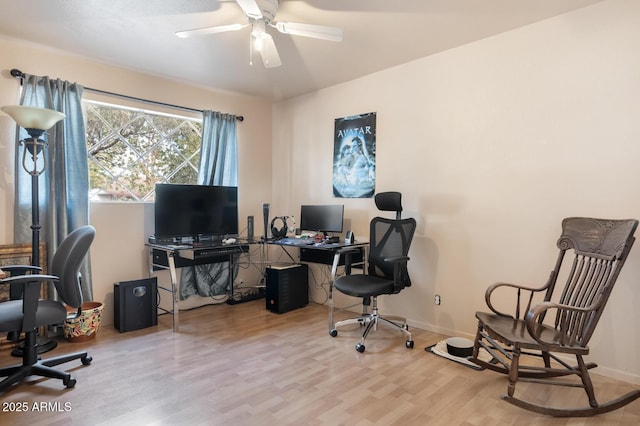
point(354, 156)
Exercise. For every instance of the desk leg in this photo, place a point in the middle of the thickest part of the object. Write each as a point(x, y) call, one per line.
point(334, 272)
point(230, 272)
point(331, 323)
point(175, 290)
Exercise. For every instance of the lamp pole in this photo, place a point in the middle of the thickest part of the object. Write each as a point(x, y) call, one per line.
point(35, 121)
point(35, 147)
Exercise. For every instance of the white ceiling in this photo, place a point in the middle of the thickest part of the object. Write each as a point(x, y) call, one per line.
point(378, 34)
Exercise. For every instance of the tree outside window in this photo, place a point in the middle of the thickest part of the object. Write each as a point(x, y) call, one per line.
point(131, 150)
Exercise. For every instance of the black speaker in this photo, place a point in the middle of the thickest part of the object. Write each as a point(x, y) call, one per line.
point(250, 228)
point(135, 304)
point(287, 288)
point(265, 214)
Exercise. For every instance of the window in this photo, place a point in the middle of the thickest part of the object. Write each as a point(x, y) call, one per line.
point(130, 150)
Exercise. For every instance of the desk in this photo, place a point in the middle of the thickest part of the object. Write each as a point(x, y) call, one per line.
point(172, 256)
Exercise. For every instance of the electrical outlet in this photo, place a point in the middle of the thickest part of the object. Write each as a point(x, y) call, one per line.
point(437, 300)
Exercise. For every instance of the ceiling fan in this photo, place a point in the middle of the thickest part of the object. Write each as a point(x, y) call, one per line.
point(261, 13)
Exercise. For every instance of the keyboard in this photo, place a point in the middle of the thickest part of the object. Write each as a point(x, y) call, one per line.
point(296, 241)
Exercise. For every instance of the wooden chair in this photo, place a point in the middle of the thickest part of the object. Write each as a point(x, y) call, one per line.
point(596, 250)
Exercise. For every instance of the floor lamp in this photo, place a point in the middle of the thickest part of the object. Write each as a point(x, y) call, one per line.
point(36, 121)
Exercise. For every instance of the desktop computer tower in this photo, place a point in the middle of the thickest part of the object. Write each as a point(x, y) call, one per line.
point(287, 288)
point(135, 304)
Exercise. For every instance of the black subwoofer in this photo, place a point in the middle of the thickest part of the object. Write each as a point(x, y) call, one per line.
point(135, 304)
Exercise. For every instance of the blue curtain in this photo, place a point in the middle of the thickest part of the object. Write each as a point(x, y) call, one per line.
point(218, 166)
point(219, 151)
point(64, 185)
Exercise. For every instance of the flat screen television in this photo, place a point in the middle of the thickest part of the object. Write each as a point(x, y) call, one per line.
point(325, 218)
point(196, 211)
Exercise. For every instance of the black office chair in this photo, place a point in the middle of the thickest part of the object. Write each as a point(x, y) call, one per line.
point(386, 270)
point(29, 313)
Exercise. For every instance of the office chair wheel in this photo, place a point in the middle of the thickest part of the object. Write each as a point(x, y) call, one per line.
point(333, 332)
point(409, 344)
point(86, 360)
point(69, 382)
point(360, 347)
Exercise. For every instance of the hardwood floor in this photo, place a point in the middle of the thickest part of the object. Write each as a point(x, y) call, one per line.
point(242, 365)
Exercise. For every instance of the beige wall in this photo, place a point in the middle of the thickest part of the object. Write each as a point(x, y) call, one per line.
point(118, 252)
point(492, 144)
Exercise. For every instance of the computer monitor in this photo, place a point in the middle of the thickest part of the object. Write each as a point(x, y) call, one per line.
point(196, 211)
point(322, 218)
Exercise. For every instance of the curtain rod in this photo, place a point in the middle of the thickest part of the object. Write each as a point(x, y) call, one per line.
point(19, 74)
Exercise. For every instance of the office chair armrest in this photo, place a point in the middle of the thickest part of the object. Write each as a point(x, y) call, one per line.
point(399, 266)
point(347, 251)
point(567, 330)
point(15, 292)
point(21, 279)
point(20, 269)
point(531, 291)
point(30, 289)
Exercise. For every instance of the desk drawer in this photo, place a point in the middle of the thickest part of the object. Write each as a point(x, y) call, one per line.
point(160, 257)
point(325, 257)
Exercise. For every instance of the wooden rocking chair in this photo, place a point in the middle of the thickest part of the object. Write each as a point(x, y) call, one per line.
point(600, 248)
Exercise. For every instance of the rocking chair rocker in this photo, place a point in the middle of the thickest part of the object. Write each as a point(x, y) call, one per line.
point(600, 248)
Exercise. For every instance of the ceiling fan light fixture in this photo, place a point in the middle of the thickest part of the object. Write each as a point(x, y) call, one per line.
point(258, 35)
point(258, 42)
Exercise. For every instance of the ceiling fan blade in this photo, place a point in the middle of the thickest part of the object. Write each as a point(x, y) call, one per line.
point(308, 30)
point(269, 52)
point(250, 8)
point(210, 30)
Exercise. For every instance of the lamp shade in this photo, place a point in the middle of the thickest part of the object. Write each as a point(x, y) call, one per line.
point(33, 118)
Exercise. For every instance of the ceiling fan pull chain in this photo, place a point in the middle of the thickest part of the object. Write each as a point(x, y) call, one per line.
point(251, 48)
